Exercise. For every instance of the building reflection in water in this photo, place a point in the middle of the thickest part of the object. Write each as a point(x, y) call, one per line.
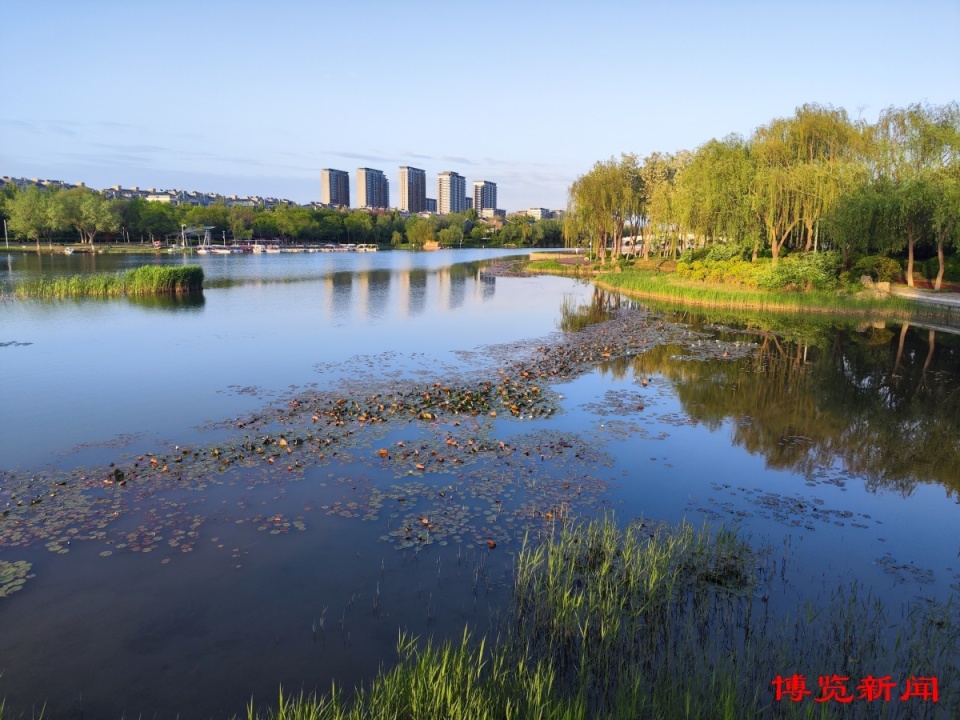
point(374, 294)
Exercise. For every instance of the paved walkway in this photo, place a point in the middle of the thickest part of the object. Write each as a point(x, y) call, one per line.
point(951, 300)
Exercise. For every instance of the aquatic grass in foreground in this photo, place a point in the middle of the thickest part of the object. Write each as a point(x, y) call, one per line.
point(655, 622)
point(144, 280)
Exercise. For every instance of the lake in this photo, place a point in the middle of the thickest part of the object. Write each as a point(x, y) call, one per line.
point(206, 498)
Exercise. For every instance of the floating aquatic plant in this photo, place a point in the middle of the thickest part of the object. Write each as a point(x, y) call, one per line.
point(13, 576)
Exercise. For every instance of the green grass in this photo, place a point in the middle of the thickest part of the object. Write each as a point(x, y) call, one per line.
point(665, 287)
point(554, 267)
point(653, 622)
point(144, 280)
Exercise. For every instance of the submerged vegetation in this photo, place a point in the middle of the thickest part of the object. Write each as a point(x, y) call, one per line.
point(660, 622)
point(144, 280)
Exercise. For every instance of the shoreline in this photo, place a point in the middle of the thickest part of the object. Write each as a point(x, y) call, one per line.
point(947, 303)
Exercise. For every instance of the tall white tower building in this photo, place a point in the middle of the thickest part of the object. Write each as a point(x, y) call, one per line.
point(451, 192)
point(373, 189)
point(335, 187)
point(413, 190)
point(484, 195)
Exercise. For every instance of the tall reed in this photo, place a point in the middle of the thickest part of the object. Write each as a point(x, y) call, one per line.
point(144, 280)
point(649, 621)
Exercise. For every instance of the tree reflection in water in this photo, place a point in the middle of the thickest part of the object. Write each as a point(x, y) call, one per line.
point(882, 403)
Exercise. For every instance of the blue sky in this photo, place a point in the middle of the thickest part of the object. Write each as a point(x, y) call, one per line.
point(241, 97)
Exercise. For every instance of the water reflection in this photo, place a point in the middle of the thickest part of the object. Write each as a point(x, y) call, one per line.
point(575, 316)
point(226, 588)
point(378, 293)
point(190, 302)
point(882, 402)
point(416, 296)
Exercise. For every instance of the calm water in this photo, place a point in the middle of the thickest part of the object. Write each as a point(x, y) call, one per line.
point(184, 593)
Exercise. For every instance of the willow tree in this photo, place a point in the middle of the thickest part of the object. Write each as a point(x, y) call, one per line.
point(660, 200)
point(856, 222)
point(914, 144)
point(584, 217)
point(716, 186)
point(946, 215)
point(831, 150)
point(775, 189)
point(599, 204)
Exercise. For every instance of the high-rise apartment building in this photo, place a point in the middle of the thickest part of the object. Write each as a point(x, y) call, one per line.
point(335, 187)
point(373, 189)
point(413, 190)
point(484, 195)
point(451, 192)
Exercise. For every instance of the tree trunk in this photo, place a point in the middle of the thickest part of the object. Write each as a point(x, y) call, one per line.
point(931, 344)
point(939, 280)
point(910, 244)
point(899, 357)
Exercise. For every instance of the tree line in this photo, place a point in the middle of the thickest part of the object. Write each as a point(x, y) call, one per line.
point(83, 215)
point(817, 180)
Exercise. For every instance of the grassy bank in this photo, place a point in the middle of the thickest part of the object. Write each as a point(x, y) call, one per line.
point(661, 286)
point(555, 266)
point(665, 287)
point(98, 248)
point(145, 280)
point(655, 622)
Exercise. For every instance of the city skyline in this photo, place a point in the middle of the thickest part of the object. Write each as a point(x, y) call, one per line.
point(569, 85)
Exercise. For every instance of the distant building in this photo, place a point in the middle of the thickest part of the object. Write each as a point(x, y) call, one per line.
point(413, 190)
point(170, 197)
point(489, 213)
point(335, 187)
point(468, 203)
point(373, 189)
point(539, 213)
point(24, 183)
point(484, 195)
point(451, 192)
point(430, 205)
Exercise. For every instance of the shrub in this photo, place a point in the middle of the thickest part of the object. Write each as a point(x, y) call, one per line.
point(878, 267)
point(729, 251)
point(809, 271)
point(734, 271)
point(951, 270)
point(690, 256)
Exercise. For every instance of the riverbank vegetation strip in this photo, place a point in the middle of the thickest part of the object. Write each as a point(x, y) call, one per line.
point(667, 287)
point(144, 280)
point(798, 186)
